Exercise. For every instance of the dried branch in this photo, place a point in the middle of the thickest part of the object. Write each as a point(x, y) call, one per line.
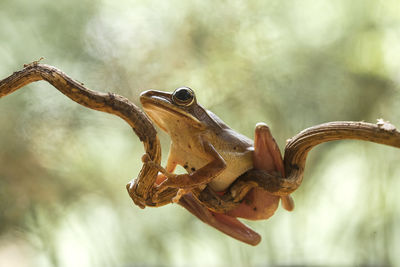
point(297, 149)
point(142, 189)
point(106, 102)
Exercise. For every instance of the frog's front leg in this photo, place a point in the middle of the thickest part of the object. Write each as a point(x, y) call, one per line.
point(150, 198)
point(199, 177)
point(259, 204)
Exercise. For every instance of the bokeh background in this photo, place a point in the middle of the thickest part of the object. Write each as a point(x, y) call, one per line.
point(291, 64)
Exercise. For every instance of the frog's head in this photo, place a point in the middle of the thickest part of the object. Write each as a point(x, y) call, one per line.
point(171, 111)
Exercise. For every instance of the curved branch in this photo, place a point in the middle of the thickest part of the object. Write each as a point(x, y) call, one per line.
point(297, 149)
point(106, 102)
point(142, 189)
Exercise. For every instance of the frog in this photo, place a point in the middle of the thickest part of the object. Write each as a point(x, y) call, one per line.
point(214, 155)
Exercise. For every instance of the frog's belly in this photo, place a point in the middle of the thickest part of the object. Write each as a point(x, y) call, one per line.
point(237, 164)
point(228, 176)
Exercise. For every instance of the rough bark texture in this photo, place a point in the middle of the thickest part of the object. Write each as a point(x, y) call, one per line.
point(142, 189)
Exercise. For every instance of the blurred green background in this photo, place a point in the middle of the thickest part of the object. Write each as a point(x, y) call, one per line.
point(291, 64)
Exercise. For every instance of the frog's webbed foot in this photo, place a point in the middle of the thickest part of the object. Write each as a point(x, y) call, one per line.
point(165, 179)
point(155, 196)
point(146, 160)
point(181, 192)
point(166, 182)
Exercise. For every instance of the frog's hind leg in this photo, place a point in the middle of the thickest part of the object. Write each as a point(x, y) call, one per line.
point(258, 204)
point(268, 157)
point(224, 223)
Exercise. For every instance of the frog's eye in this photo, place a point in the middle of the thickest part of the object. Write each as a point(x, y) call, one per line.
point(183, 96)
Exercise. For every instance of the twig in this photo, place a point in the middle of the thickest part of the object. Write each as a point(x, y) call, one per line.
point(106, 102)
point(297, 149)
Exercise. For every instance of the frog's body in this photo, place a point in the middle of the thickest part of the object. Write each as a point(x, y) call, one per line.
point(215, 155)
point(235, 149)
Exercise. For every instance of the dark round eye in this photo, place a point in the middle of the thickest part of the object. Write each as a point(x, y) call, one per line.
point(183, 96)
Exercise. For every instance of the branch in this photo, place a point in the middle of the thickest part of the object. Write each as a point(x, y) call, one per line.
point(142, 189)
point(297, 149)
point(106, 102)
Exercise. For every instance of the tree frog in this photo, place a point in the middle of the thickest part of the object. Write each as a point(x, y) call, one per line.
point(215, 155)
